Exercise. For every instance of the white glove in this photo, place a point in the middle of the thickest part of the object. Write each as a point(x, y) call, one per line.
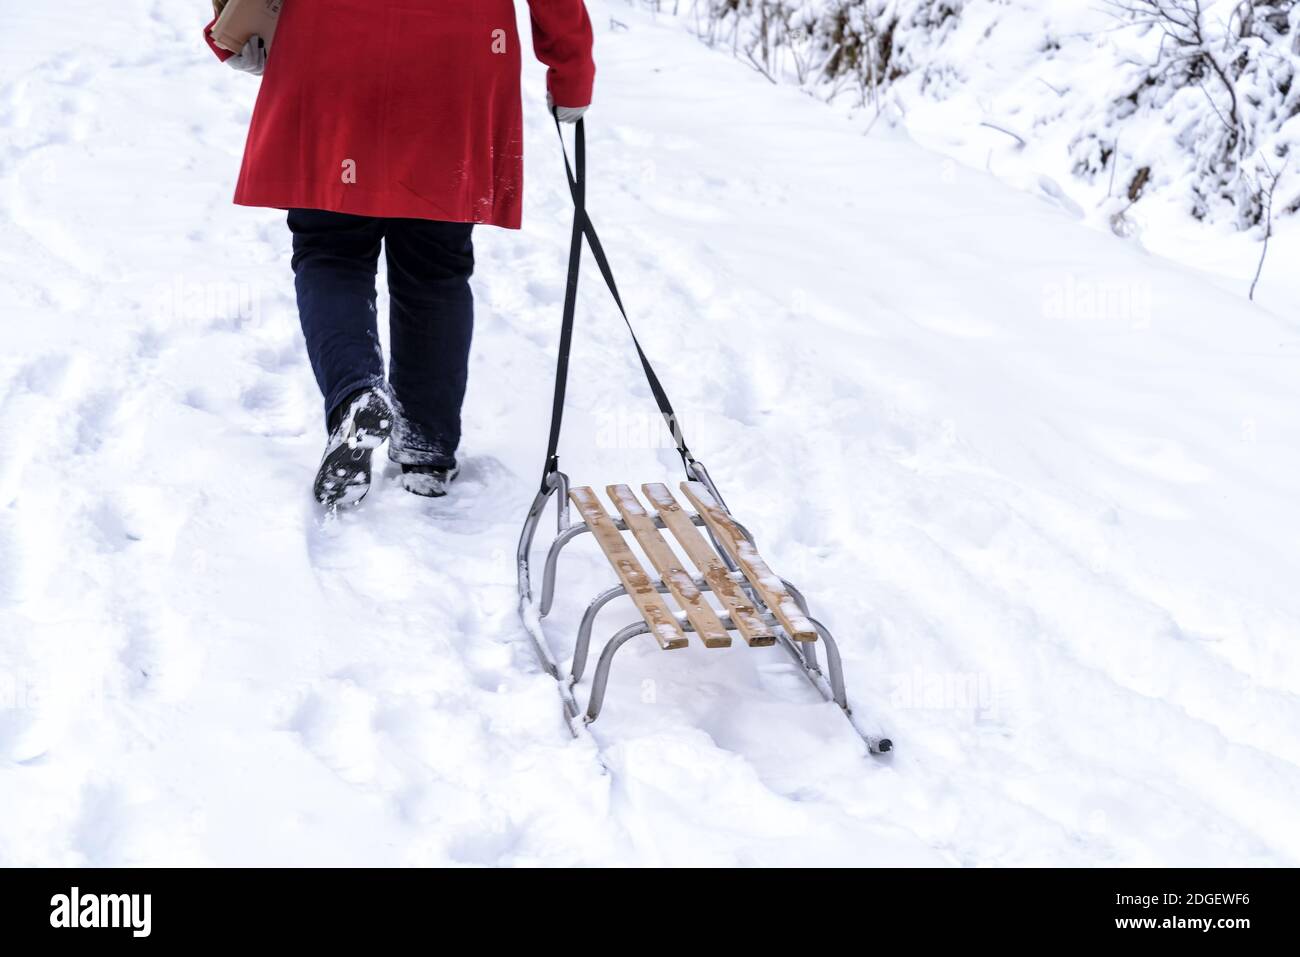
point(251, 59)
point(565, 114)
point(569, 114)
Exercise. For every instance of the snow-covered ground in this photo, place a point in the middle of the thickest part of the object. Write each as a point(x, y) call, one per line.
point(1040, 483)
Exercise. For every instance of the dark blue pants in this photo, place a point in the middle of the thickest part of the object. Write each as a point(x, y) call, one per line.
point(431, 320)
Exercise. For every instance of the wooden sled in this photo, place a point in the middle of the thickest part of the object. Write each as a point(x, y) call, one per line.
point(755, 604)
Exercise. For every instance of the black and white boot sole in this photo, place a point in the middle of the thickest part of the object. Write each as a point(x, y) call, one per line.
point(344, 476)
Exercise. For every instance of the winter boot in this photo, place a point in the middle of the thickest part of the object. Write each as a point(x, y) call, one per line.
point(360, 424)
point(427, 480)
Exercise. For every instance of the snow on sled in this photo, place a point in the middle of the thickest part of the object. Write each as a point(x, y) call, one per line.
point(763, 609)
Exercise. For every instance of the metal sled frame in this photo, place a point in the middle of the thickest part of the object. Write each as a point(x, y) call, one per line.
point(829, 683)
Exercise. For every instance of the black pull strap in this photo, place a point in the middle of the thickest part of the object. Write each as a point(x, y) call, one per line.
point(578, 190)
point(583, 227)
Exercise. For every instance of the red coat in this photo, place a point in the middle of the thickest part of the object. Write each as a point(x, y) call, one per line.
point(406, 108)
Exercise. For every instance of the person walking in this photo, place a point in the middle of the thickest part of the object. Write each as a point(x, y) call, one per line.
point(396, 126)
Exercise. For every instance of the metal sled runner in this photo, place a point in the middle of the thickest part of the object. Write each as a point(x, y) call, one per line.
point(758, 606)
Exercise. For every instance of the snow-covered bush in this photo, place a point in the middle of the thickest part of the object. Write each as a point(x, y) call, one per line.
point(1221, 75)
point(1194, 100)
point(859, 45)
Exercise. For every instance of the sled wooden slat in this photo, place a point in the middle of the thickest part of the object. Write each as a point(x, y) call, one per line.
point(631, 575)
point(744, 616)
point(680, 585)
point(746, 557)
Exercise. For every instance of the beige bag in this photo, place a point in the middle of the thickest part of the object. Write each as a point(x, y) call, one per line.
point(237, 20)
